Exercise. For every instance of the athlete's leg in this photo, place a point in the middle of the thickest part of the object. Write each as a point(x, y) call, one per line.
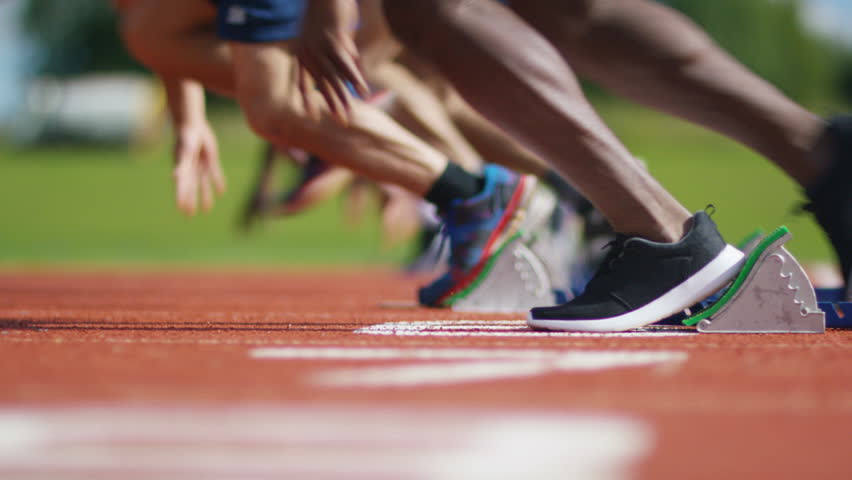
point(178, 38)
point(262, 196)
point(481, 216)
point(482, 213)
point(656, 56)
point(261, 76)
point(417, 109)
point(372, 144)
point(414, 106)
point(489, 141)
point(376, 44)
point(486, 138)
point(515, 77)
point(186, 43)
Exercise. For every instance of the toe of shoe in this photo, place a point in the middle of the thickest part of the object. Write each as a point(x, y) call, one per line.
point(432, 295)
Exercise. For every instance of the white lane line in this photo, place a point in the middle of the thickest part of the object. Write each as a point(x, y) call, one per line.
point(299, 443)
point(360, 353)
point(437, 366)
point(504, 328)
point(430, 374)
point(7, 337)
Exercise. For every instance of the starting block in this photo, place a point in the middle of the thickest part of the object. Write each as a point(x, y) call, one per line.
point(514, 280)
point(771, 294)
point(532, 268)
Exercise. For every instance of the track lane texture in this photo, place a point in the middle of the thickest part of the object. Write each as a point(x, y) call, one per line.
point(739, 406)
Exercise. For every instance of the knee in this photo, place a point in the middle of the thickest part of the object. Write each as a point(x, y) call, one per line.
point(582, 15)
point(151, 37)
point(278, 122)
point(580, 10)
point(421, 24)
point(136, 26)
point(573, 18)
point(147, 37)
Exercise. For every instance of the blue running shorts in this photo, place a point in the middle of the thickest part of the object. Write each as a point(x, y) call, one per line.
point(259, 21)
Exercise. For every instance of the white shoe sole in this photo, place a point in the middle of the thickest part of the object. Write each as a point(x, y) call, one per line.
point(694, 289)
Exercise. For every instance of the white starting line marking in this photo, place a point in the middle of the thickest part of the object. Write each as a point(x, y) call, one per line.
point(437, 366)
point(503, 328)
point(305, 443)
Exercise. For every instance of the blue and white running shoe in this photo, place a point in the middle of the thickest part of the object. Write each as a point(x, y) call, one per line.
point(509, 206)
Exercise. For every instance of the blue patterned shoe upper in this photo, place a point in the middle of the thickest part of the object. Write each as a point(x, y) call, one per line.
point(470, 224)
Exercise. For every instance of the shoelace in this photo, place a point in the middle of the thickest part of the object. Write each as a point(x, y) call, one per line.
point(609, 263)
point(616, 251)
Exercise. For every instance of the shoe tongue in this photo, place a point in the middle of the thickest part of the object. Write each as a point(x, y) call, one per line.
point(616, 246)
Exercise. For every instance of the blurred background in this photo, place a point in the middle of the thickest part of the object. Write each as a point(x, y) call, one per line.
point(85, 148)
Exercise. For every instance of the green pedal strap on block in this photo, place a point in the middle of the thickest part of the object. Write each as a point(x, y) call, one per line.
point(771, 294)
point(514, 280)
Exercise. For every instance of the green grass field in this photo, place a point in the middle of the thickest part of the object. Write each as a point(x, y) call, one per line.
point(83, 207)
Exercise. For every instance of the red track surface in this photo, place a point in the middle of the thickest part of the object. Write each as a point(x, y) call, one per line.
point(744, 406)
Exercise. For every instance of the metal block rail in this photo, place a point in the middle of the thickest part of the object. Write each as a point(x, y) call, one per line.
point(838, 310)
point(772, 294)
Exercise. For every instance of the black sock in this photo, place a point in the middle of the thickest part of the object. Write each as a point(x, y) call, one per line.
point(454, 183)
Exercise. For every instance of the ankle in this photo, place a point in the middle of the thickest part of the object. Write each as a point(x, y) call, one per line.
point(454, 183)
point(657, 230)
point(672, 231)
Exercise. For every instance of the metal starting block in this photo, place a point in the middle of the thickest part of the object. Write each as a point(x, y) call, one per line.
point(559, 247)
point(514, 280)
point(771, 294)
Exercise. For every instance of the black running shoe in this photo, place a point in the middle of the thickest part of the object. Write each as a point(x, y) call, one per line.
point(831, 197)
point(641, 282)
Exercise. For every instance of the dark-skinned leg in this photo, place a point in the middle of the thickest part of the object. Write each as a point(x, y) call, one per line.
point(516, 78)
point(656, 56)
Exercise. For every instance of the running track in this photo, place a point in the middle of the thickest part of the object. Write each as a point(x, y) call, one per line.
point(337, 375)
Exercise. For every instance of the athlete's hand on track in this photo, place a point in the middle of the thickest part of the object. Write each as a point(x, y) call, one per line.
point(197, 172)
point(328, 57)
